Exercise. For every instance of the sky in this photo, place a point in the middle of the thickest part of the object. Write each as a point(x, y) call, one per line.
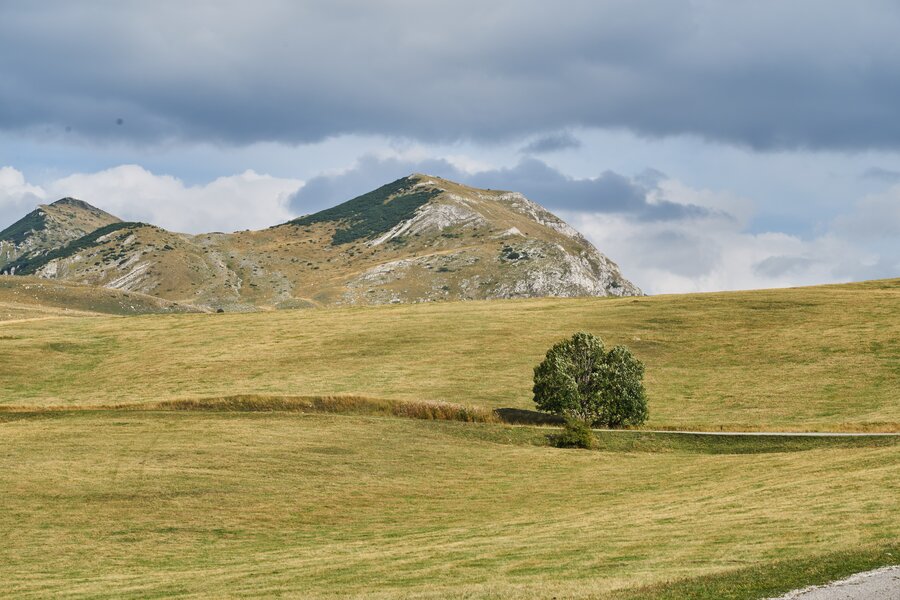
point(701, 145)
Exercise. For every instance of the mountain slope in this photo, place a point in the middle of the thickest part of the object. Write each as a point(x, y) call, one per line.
point(29, 297)
point(416, 239)
point(48, 227)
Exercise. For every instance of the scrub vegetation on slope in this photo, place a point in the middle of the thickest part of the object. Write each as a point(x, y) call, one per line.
point(376, 212)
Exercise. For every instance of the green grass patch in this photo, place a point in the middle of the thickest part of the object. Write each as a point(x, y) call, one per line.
point(638, 441)
point(769, 580)
point(667, 443)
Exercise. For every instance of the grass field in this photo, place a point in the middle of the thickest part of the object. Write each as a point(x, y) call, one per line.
point(35, 298)
point(203, 455)
point(106, 504)
point(821, 358)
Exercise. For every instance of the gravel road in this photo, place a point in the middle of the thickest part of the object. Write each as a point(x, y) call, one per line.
point(766, 433)
point(880, 584)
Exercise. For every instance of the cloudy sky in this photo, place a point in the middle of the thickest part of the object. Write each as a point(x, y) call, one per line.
point(702, 145)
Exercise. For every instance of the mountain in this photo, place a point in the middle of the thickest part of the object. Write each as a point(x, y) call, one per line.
point(417, 239)
point(49, 226)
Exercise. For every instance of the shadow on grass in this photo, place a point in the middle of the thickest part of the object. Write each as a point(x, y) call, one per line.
point(521, 416)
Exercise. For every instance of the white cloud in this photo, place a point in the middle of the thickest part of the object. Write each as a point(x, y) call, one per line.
point(419, 153)
point(247, 200)
point(17, 197)
point(740, 209)
point(875, 216)
point(468, 164)
point(715, 252)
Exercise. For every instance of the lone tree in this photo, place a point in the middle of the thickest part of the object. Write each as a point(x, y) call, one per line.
point(580, 380)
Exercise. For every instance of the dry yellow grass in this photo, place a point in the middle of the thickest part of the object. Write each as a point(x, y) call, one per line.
point(821, 358)
point(32, 297)
point(202, 504)
point(200, 464)
point(348, 405)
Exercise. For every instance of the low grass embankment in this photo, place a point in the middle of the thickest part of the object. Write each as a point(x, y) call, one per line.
point(341, 404)
point(348, 405)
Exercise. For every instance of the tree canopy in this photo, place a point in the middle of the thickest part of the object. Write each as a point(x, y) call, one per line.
point(580, 379)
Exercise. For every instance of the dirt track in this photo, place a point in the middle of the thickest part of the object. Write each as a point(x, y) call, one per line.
point(771, 433)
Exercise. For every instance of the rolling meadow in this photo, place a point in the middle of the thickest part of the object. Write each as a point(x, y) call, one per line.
point(273, 454)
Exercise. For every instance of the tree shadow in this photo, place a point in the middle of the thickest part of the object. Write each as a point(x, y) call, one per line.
point(521, 416)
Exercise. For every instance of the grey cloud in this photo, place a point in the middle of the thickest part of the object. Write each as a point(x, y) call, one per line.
point(679, 253)
point(650, 178)
point(778, 266)
point(884, 267)
point(770, 74)
point(369, 173)
point(552, 143)
point(879, 174)
point(608, 193)
point(873, 217)
point(842, 268)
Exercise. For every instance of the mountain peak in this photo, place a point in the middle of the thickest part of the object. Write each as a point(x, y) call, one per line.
point(449, 240)
point(80, 206)
point(48, 227)
point(69, 201)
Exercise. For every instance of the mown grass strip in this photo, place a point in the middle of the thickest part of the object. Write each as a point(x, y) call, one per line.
point(641, 442)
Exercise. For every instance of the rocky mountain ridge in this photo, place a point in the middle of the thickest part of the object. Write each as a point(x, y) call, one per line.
point(417, 239)
point(48, 227)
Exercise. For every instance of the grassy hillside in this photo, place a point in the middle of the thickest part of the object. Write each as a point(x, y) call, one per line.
point(31, 297)
point(820, 358)
point(160, 504)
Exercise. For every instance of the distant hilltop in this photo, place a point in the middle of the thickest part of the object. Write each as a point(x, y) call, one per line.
point(417, 239)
